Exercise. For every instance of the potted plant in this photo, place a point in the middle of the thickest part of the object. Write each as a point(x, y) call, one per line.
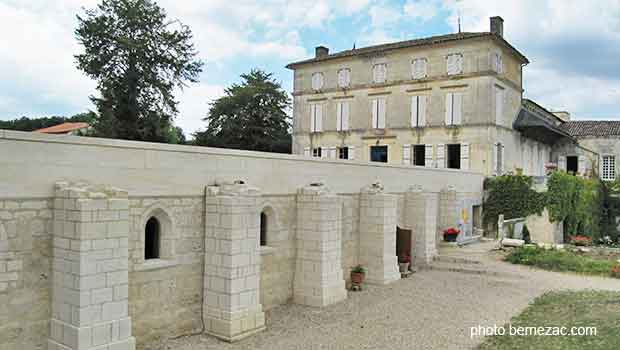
point(403, 263)
point(357, 274)
point(581, 241)
point(450, 234)
point(615, 271)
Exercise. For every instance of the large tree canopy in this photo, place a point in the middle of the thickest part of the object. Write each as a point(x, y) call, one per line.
point(252, 116)
point(138, 58)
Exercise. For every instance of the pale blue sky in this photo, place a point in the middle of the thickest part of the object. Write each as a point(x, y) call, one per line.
point(573, 46)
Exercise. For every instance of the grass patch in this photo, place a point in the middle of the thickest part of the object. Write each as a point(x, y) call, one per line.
point(561, 260)
point(566, 309)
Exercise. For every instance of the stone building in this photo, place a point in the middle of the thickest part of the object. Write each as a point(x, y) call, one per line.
point(116, 245)
point(447, 101)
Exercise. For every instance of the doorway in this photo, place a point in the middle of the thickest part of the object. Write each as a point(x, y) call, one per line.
point(572, 164)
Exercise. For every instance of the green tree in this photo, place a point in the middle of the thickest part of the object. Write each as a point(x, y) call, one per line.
point(251, 116)
point(138, 58)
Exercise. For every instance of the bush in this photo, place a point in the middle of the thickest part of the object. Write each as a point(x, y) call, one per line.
point(559, 260)
point(513, 196)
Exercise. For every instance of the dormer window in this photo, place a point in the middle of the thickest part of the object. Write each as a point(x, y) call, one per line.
point(317, 81)
point(344, 78)
point(454, 64)
point(379, 73)
point(498, 62)
point(418, 68)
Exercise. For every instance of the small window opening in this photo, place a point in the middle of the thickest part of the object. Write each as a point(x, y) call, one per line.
point(379, 154)
point(454, 156)
point(343, 153)
point(263, 229)
point(419, 155)
point(572, 164)
point(317, 152)
point(152, 236)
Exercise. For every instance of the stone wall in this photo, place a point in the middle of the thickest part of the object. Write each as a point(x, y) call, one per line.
point(166, 296)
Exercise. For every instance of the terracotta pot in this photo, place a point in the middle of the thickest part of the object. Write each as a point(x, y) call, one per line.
point(357, 277)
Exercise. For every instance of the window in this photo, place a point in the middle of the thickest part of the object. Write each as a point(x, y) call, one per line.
point(317, 81)
point(609, 168)
point(572, 164)
point(454, 64)
point(316, 118)
point(499, 105)
point(344, 78)
point(498, 62)
point(454, 156)
point(263, 229)
point(151, 239)
point(343, 152)
point(378, 113)
point(418, 68)
point(454, 105)
point(419, 155)
point(379, 154)
point(317, 152)
point(418, 111)
point(342, 116)
point(379, 73)
point(498, 152)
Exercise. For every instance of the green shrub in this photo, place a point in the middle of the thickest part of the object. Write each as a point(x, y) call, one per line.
point(560, 260)
point(513, 196)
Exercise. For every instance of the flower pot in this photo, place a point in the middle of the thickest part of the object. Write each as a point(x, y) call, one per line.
point(357, 277)
point(403, 267)
point(450, 237)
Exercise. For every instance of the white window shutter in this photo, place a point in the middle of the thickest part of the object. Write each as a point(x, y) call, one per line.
point(428, 156)
point(450, 65)
point(499, 105)
point(459, 64)
point(375, 104)
point(381, 116)
point(351, 152)
point(307, 152)
point(317, 81)
point(562, 163)
point(312, 118)
point(319, 118)
point(346, 106)
point(449, 103)
point(333, 153)
point(502, 164)
point(344, 77)
point(496, 155)
point(414, 111)
point(422, 110)
point(441, 158)
point(465, 156)
point(407, 154)
point(339, 106)
point(582, 165)
point(418, 68)
point(457, 109)
point(324, 152)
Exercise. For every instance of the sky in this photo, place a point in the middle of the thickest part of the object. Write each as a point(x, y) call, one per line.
point(573, 46)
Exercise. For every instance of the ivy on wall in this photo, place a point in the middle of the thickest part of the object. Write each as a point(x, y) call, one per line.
point(610, 191)
point(513, 196)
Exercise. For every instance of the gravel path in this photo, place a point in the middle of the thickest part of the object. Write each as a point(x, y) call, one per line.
point(433, 309)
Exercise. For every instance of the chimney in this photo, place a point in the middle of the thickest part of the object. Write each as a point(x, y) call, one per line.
point(497, 26)
point(564, 115)
point(321, 51)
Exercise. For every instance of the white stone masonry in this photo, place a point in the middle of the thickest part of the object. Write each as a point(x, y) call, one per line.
point(231, 307)
point(422, 213)
point(90, 269)
point(318, 268)
point(378, 235)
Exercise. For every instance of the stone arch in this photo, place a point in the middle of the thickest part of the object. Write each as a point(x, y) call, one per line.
point(160, 216)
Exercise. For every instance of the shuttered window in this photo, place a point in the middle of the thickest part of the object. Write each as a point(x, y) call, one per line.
point(499, 105)
point(344, 78)
point(379, 73)
point(378, 113)
point(316, 118)
point(454, 107)
point(454, 64)
point(342, 116)
point(608, 171)
point(406, 154)
point(317, 81)
point(498, 62)
point(418, 68)
point(418, 111)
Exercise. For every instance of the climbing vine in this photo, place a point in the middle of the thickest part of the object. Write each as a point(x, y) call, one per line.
point(576, 201)
point(513, 196)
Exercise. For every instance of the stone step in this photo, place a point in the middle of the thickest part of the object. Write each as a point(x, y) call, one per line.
point(457, 260)
point(473, 269)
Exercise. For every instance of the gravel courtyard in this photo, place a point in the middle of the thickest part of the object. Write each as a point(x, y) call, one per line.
point(433, 309)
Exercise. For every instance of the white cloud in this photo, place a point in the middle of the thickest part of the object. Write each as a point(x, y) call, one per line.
point(194, 105)
point(423, 10)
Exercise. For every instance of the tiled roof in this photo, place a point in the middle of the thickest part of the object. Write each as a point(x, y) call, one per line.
point(63, 128)
point(600, 128)
point(409, 43)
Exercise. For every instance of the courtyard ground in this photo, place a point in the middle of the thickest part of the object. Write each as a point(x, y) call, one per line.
point(433, 309)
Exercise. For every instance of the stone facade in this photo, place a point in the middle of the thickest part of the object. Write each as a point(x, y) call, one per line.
point(210, 269)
